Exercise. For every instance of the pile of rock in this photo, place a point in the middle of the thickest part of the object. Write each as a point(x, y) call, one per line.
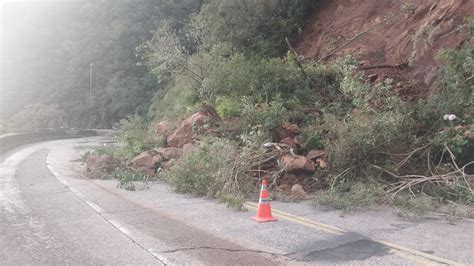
point(97, 164)
point(178, 142)
point(296, 165)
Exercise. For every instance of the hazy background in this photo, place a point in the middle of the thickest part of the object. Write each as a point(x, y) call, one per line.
point(47, 51)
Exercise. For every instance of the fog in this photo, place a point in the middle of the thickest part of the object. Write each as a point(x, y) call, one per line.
point(47, 50)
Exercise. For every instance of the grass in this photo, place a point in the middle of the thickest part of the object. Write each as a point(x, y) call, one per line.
point(357, 195)
point(126, 178)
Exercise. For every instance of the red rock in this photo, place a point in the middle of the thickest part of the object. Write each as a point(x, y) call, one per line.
point(163, 128)
point(291, 130)
point(157, 159)
point(298, 192)
point(169, 153)
point(315, 154)
point(184, 133)
point(469, 134)
point(322, 163)
point(144, 159)
point(459, 128)
point(297, 163)
point(290, 142)
point(373, 77)
point(103, 163)
point(169, 164)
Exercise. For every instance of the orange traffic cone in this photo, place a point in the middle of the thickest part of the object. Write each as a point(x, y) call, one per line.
point(264, 211)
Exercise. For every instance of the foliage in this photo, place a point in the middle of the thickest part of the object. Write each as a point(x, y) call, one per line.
point(37, 117)
point(174, 102)
point(455, 88)
point(135, 137)
point(261, 119)
point(254, 27)
point(227, 107)
point(407, 204)
point(349, 196)
point(212, 169)
point(125, 176)
point(262, 79)
point(373, 122)
point(51, 62)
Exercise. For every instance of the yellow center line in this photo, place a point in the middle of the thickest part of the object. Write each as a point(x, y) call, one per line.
point(412, 254)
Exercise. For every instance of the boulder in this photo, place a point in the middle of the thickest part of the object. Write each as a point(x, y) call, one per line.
point(188, 147)
point(144, 159)
point(290, 142)
point(169, 164)
point(287, 130)
point(291, 130)
point(157, 159)
point(322, 163)
point(297, 163)
point(184, 133)
point(169, 153)
point(469, 134)
point(315, 154)
point(297, 192)
point(163, 128)
point(102, 163)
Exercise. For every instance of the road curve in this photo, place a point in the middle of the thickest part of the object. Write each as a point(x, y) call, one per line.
point(51, 214)
point(45, 222)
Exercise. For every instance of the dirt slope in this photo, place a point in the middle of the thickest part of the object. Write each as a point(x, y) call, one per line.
point(407, 34)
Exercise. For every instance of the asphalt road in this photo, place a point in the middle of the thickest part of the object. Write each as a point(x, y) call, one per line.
point(51, 214)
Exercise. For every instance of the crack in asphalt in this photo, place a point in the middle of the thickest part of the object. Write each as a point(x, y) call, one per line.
point(231, 250)
point(105, 218)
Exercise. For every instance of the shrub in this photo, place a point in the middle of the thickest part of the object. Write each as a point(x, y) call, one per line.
point(135, 137)
point(261, 119)
point(374, 122)
point(176, 101)
point(228, 107)
point(347, 196)
point(215, 168)
point(254, 27)
point(263, 79)
point(126, 177)
point(454, 93)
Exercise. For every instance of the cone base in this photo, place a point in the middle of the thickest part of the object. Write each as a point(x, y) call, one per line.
point(264, 220)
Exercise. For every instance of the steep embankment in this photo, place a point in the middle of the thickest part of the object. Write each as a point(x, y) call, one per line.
point(394, 39)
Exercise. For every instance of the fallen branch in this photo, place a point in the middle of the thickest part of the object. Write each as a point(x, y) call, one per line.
point(342, 46)
point(397, 66)
point(298, 63)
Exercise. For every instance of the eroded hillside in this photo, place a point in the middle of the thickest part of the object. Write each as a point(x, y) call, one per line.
point(392, 39)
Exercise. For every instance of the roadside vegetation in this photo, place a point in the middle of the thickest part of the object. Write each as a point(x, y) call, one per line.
point(273, 108)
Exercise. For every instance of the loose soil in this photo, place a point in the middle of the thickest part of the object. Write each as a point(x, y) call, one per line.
point(397, 39)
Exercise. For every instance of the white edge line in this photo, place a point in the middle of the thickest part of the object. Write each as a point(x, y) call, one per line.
point(94, 206)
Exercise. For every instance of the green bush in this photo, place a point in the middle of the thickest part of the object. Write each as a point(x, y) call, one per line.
point(253, 27)
point(215, 168)
point(240, 75)
point(135, 137)
point(126, 177)
point(351, 195)
point(228, 107)
point(261, 119)
point(311, 137)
